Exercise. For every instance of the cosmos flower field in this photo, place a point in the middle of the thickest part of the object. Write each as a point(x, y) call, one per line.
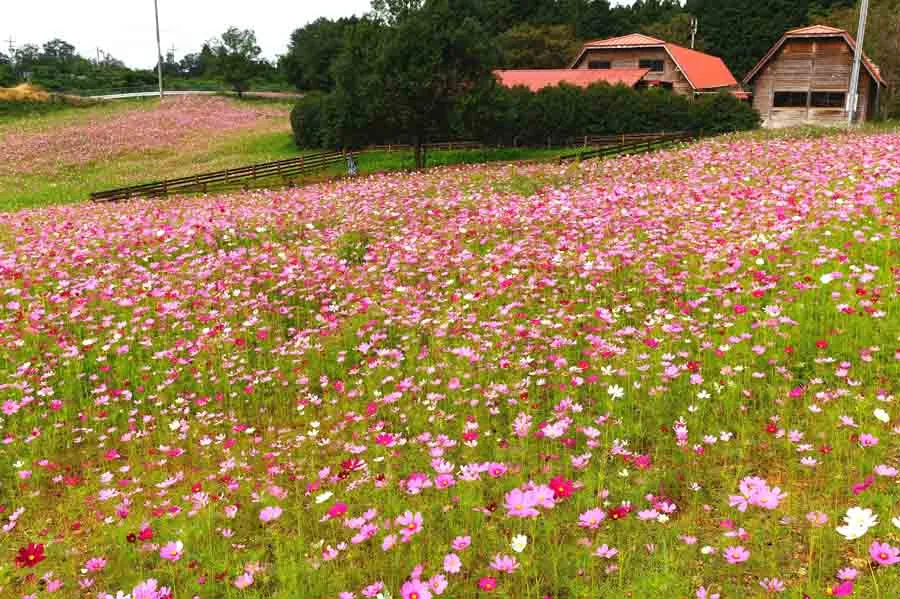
point(180, 121)
point(671, 375)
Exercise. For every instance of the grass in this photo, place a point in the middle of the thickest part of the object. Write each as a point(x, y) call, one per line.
point(267, 143)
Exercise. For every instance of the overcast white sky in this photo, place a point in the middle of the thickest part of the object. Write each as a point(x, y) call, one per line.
point(125, 28)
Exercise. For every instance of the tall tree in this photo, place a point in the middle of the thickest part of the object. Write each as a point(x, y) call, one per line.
point(311, 52)
point(436, 53)
point(236, 56)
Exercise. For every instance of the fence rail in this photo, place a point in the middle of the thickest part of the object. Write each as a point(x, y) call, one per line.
point(286, 169)
point(633, 145)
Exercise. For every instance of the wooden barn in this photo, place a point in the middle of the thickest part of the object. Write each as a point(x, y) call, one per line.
point(805, 79)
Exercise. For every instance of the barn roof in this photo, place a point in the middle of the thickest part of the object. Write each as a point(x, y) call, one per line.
point(537, 79)
point(816, 31)
point(703, 71)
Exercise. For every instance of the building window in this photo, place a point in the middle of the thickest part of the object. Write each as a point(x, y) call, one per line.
point(655, 66)
point(828, 99)
point(599, 64)
point(790, 99)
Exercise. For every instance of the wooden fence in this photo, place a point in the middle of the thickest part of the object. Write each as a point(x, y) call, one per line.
point(288, 169)
point(236, 177)
point(633, 145)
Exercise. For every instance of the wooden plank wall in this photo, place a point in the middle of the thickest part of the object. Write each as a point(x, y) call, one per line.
point(629, 58)
point(808, 65)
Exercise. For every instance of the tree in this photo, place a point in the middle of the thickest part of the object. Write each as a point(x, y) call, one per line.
point(676, 30)
point(434, 55)
point(312, 51)
point(537, 47)
point(236, 56)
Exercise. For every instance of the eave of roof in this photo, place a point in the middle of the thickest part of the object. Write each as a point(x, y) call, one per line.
point(537, 79)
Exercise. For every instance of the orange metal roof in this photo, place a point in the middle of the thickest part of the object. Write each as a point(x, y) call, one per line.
point(703, 71)
point(537, 79)
point(816, 31)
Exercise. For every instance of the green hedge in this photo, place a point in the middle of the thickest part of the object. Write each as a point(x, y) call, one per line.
point(518, 116)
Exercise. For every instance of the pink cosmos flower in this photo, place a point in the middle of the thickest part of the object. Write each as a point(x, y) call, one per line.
point(867, 440)
point(95, 564)
point(606, 552)
point(461, 543)
point(415, 589)
point(504, 563)
point(884, 554)
point(270, 513)
point(520, 504)
point(736, 555)
point(487, 583)
point(452, 563)
point(438, 584)
point(772, 585)
point(411, 523)
point(592, 518)
point(244, 580)
point(172, 551)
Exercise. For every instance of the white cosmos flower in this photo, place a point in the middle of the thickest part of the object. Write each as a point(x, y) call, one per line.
point(616, 392)
point(322, 497)
point(519, 542)
point(881, 415)
point(896, 521)
point(857, 522)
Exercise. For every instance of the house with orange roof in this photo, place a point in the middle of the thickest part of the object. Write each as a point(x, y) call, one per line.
point(805, 79)
point(668, 65)
point(634, 60)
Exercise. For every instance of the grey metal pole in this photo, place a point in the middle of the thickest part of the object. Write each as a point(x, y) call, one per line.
point(158, 50)
point(853, 96)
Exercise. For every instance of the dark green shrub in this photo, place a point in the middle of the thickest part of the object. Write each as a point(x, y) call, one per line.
point(306, 120)
point(723, 113)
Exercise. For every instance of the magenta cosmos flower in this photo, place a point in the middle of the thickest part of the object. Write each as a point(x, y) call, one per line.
point(736, 555)
point(884, 554)
point(487, 583)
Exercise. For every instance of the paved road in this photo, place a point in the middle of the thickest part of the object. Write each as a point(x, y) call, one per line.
point(287, 95)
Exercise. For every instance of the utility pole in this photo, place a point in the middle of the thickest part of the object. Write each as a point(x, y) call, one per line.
point(159, 57)
point(695, 26)
point(12, 50)
point(853, 96)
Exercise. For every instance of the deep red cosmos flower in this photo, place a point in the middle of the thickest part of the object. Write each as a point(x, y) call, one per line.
point(562, 487)
point(30, 556)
